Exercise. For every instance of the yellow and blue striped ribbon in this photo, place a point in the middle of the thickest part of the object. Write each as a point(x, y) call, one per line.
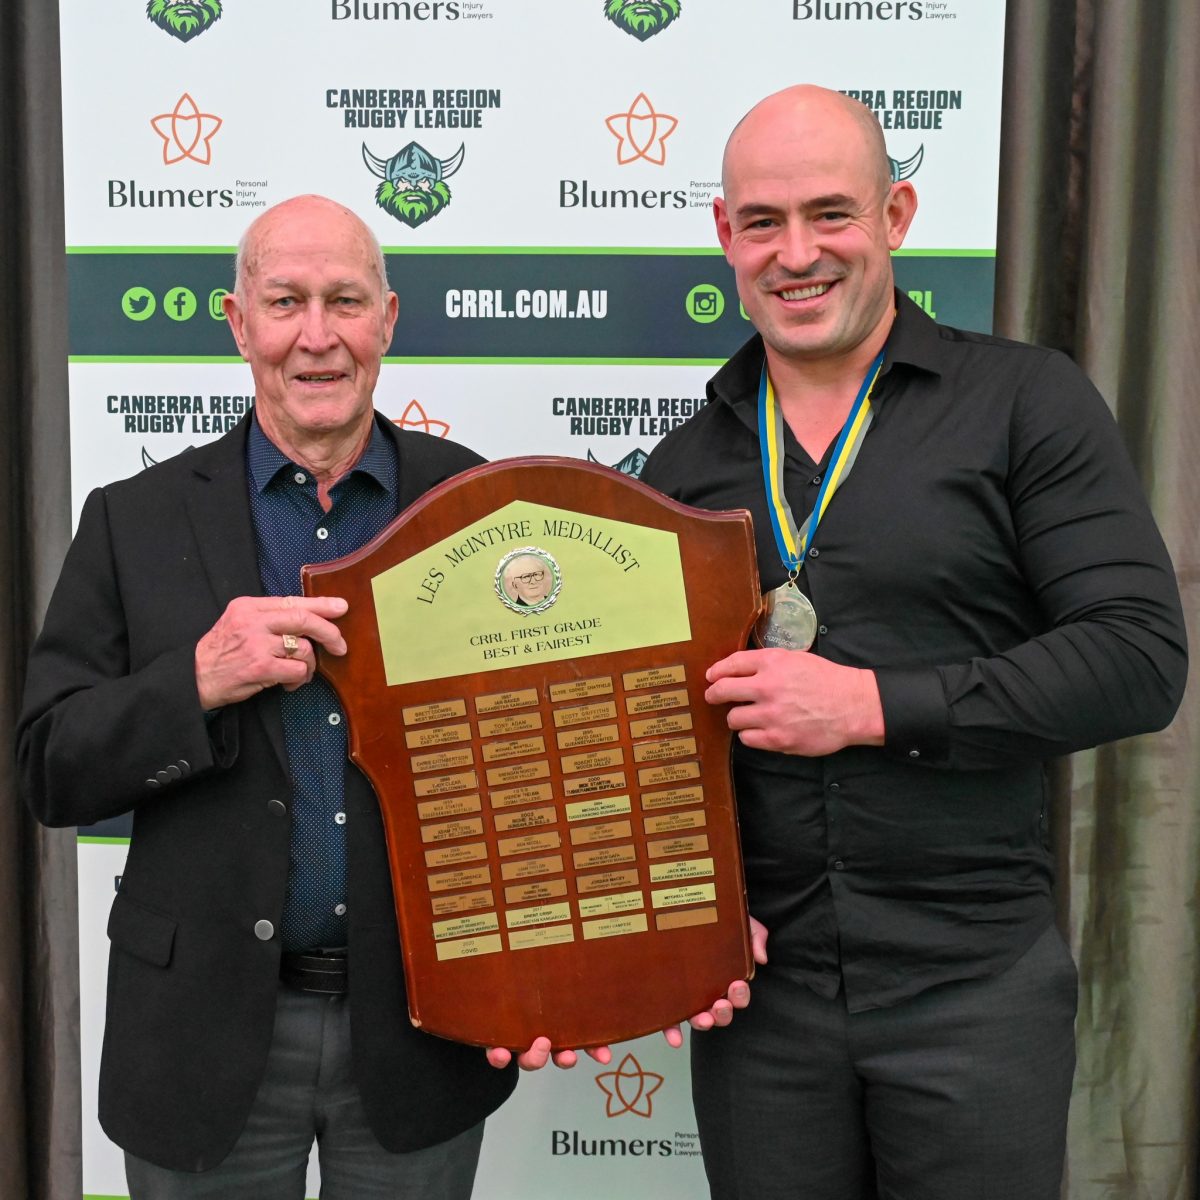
point(793, 543)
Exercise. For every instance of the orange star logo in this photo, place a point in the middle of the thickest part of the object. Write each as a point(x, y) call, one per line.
point(186, 132)
point(415, 417)
point(641, 132)
point(629, 1088)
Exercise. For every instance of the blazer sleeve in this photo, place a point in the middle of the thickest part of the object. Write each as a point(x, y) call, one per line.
point(99, 732)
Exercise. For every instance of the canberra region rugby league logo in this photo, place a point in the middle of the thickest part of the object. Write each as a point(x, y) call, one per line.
point(414, 182)
point(184, 19)
point(908, 168)
point(642, 18)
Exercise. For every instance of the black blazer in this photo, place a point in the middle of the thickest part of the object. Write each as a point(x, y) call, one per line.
point(112, 723)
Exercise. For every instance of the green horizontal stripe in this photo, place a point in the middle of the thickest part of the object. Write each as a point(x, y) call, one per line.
point(200, 359)
point(659, 251)
point(87, 840)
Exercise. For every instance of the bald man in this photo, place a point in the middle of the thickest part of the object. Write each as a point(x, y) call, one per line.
point(256, 995)
point(965, 581)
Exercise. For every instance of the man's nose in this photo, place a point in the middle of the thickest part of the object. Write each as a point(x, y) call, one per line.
point(316, 330)
point(799, 248)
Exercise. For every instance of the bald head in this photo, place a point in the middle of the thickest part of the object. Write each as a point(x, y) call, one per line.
point(281, 220)
point(796, 114)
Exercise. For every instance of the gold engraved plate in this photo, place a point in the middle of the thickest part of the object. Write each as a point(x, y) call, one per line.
point(604, 806)
point(432, 810)
point(438, 785)
point(675, 822)
point(462, 902)
point(530, 843)
point(550, 864)
point(443, 760)
point(458, 927)
point(531, 893)
point(584, 785)
point(575, 738)
point(540, 914)
point(615, 926)
point(585, 714)
point(581, 689)
point(460, 879)
point(449, 856)
point(669, 748)
point(610, 831)
point(514, 748)
point(440, 735)
point(672, 797)
point(657, 726)
point(526, 818)
point(518, 773)
point(635, 706)
point(634, 681)
point(608, 856)
point(606, 881)
point(686, 868)
point(470, 947)
point(603, 906)
point(443, 710)
point(675, 847)
point(544, 935)
point(503, 701)
point(668, 773)
point(696, 894)
point(519, 723)
point(685, 917)
point(592, 760)
point(451, 830)
point(529, 794)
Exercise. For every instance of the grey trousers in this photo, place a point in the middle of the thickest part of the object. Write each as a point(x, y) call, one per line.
point(958, 1094)
point(308, 1092)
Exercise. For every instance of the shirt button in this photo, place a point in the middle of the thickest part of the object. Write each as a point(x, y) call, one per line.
point(339, 818)
point(914, 754)
point(276, 808)
point(264, 930)
point(339, 910)
point(300, 477)
point(839, 865)
point(822, 629)
point(322, 533)
point(835, 787)
point(335, 718)
point(814, 552)
point(816, 479)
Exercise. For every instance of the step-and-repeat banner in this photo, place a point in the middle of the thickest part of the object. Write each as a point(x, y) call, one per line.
point(561, 292)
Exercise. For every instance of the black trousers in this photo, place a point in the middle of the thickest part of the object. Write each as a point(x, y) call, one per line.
point(958, 1094)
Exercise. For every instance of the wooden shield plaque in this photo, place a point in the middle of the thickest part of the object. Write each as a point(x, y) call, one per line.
point(525, 690)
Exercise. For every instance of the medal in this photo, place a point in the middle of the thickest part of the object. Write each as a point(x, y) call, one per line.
point(788, 620)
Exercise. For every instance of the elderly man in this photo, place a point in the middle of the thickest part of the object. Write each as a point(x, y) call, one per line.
point(256, 993)
point(966, 581)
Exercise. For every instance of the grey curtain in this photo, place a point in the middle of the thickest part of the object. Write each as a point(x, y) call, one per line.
point(1099, 255)
point(39, 975)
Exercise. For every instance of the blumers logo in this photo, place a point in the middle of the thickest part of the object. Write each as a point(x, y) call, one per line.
point(186, 132)
point(630, 1088)
point(407, 10)
point(414, 186)
point(630, 465)
point(861, 10)
point(414, 416)
point(642, 18)
point(641, 132)
point(184, 19)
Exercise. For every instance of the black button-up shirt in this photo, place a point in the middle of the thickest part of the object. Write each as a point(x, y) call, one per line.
point(292, 529)
point(992, 558)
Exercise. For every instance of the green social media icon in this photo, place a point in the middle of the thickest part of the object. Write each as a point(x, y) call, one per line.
point(216, 309)
point(138, 303)
point(704, 303)
point(179, 304)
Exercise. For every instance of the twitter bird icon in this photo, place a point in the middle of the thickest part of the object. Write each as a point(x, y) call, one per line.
point(138, 303)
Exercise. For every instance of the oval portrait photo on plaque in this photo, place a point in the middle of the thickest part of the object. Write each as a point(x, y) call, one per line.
point(528, 580)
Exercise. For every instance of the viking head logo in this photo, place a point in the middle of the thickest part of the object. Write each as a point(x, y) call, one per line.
point(184, 19)
point(414, 182)
point(630, 465)
point(642, 18)
point(908, 168)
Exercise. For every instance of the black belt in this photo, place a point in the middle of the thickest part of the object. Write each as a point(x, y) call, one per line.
point(321, 971)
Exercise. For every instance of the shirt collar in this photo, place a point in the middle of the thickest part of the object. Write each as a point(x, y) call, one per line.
point(914, 340)
point(265, 460)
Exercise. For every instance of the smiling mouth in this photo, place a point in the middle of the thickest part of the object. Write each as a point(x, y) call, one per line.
point(805, 293)
point(327, 377)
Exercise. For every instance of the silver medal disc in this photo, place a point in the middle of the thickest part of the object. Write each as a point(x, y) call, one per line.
point(788, 622)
